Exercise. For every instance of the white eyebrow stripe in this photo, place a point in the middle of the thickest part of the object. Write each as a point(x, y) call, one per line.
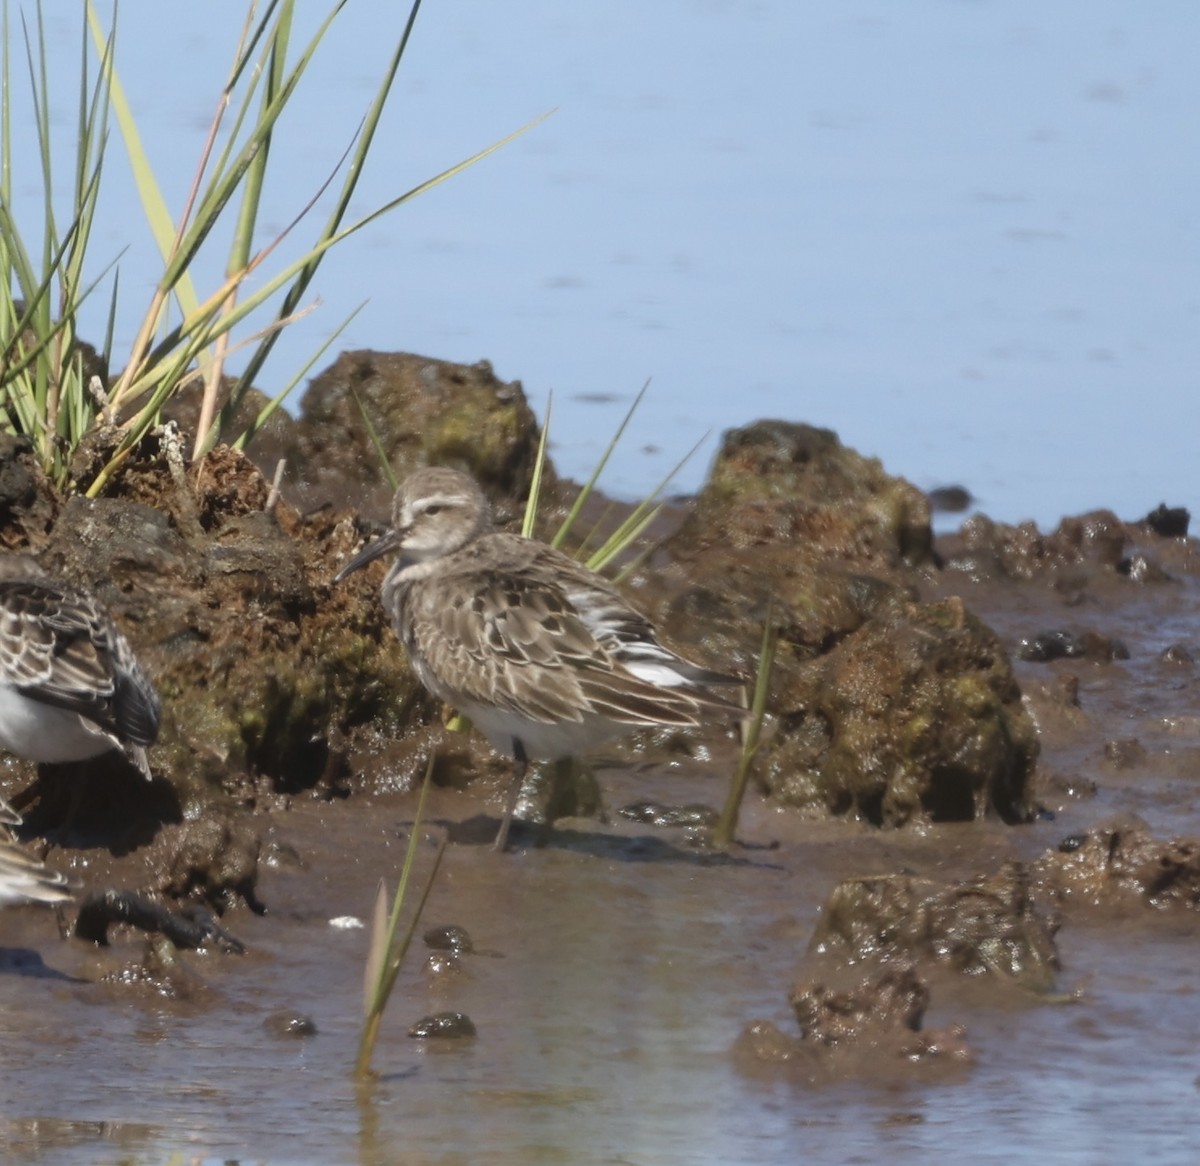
point(438, 500)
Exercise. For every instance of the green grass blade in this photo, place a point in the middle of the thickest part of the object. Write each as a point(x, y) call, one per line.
point(377, 951)
point(642, 515)
point(573, 514)
point(5, 115)
point(334, 222)
point(276, 401)
point(39, 90)
point(145, 381)
point(223, 185)
point(624, 536)
point(154, 206)
point(302, 264)
point(386, 954)
point(36, 318)
point(41, 373)
point(401, 949)
point(257, 67)
point(535, 485)
point(243, 237)
point(727, 824)
point(376, 441)
point(111, 322)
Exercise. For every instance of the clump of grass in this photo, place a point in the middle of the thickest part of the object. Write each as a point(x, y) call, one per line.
point(635, 523)
point(751, 734)
point(49, 390)
point(387, 950)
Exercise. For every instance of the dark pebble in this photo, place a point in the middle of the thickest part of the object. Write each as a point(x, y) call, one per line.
point(449, 938)
point(1142, 569)
point(443, 963)
point(1103, 649)
point(443, 1026)
point(950, 499)
point(286, 1023)
point(1169, 521)
point(1053, 645)
point(1060, 644)
point(1178, 654)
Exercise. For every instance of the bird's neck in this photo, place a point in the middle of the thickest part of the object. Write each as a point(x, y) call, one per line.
point(404, 573)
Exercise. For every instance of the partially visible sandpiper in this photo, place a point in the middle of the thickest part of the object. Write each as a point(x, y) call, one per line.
point(70, 687)
point(22, 878)
point(542, 654)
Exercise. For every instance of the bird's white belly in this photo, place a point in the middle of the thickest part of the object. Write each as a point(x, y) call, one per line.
point(545, 742)
point(41, 732)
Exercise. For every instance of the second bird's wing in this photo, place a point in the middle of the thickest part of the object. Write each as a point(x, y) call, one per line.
point(56, 646)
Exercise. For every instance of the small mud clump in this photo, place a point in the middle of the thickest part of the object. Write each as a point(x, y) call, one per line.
point(872, 1029)
point(985, 925)
point(1121, 865)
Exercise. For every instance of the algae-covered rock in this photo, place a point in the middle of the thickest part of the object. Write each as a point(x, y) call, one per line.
point(895, 1001)
point(777, 482)
point(27, 502)
point(880, 707)
point(719, 601)
point(424, 412)
point(915, 716)
point(267, 674)
point(214, 860)
point(984, 549)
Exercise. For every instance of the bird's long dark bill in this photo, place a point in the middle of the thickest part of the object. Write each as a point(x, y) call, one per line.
point(381, 546)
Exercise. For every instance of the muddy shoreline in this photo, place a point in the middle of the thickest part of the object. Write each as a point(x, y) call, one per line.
point(995, 866)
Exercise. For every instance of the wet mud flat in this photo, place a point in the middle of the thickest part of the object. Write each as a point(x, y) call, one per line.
point(966, 922)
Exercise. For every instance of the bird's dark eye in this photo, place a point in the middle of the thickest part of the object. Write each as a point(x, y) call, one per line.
point(437, 508)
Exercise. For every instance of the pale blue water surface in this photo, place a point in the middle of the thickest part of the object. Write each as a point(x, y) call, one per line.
point(962, 233)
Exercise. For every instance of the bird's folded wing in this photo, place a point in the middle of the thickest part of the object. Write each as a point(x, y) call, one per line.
point(56, 647)
point(517, 642)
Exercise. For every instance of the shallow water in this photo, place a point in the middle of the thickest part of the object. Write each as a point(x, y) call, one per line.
point(606, 1015)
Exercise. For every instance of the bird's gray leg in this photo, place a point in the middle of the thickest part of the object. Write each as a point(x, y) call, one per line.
point(520, 766)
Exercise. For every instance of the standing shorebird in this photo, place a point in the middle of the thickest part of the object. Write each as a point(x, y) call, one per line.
point(23, 879)
point(70, 687)
point(543, 655)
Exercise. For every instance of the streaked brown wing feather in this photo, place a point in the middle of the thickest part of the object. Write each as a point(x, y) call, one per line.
point(23, 878)
point(56, 646)
point(519, 625)
point(624, 698)
point(515, 641)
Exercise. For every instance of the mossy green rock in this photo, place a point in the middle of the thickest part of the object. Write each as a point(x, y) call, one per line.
point(423, 412)
point(779, 482)
point(915, 716)
point(270, 677)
